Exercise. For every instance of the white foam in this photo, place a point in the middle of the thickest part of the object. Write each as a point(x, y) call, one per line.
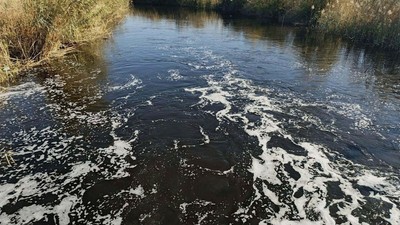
point(176, 143)
point(23, 90)
point(217, 97)
point(202, 203)
point(291, 222)
point(109, 219)
point(80, 169)
point(144, 216)
point(31, 213)
point(52, 145)
point(139, 191)
point(183, 206)
point(265, 169)
point(354, 112)
point(64, 208)
point(120, 147)
point(35, 212)
point(133, 82)
point(370, 180)
point(205, 136)
point(268, 166)
point(174, 75)
point(271, 195)
point(394, 217)
point(116, 221)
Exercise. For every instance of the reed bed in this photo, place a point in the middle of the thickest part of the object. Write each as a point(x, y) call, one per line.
point(289, 11)
point(373, 22)
point(32, 31)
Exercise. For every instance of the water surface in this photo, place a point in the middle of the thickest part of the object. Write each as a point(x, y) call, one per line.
point(186, 117)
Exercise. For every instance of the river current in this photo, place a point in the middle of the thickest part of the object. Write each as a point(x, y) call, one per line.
point(188, 117)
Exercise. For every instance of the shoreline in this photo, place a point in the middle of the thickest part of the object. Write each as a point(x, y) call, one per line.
point(375, 25)
point(28, 39)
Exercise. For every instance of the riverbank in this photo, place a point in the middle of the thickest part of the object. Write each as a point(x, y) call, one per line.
point(373, 23)
point(35, 30)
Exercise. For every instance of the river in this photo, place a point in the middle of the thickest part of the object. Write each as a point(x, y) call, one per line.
point(188, 117)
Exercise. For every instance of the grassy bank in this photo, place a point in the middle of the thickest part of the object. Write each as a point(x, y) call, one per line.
point(375, 23)
point(32, 31)
point(35, 30)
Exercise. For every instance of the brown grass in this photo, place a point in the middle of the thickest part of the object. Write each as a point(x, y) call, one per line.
point(374, 22)
point(35, 30)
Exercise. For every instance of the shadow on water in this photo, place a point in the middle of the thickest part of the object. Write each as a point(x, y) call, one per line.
point(53, 112)
point(316, 49)
point(75, 87)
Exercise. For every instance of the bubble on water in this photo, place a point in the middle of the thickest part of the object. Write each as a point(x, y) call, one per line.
point(133, 82)
point(205, 136)
point(315, 170)
point(174, 75)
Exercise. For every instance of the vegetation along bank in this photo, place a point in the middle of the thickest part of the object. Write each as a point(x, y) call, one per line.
point(32, 31)
point(376, 23)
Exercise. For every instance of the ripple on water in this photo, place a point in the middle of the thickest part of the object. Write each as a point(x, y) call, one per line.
point(197, 143)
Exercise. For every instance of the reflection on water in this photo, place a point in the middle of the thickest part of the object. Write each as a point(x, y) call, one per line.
point(316, 51)
point(74, 89)
point(187, 117)
point(182, 17)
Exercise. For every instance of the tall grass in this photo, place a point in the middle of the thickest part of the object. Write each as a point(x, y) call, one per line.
point(35, 30)
point(285, 11)
point(375, 22)
point(302, 10)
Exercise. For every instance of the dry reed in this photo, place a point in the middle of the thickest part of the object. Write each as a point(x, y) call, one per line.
point(32, 31)
point(373, 22)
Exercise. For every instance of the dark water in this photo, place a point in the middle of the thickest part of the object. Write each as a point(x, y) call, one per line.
point(189, 118)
